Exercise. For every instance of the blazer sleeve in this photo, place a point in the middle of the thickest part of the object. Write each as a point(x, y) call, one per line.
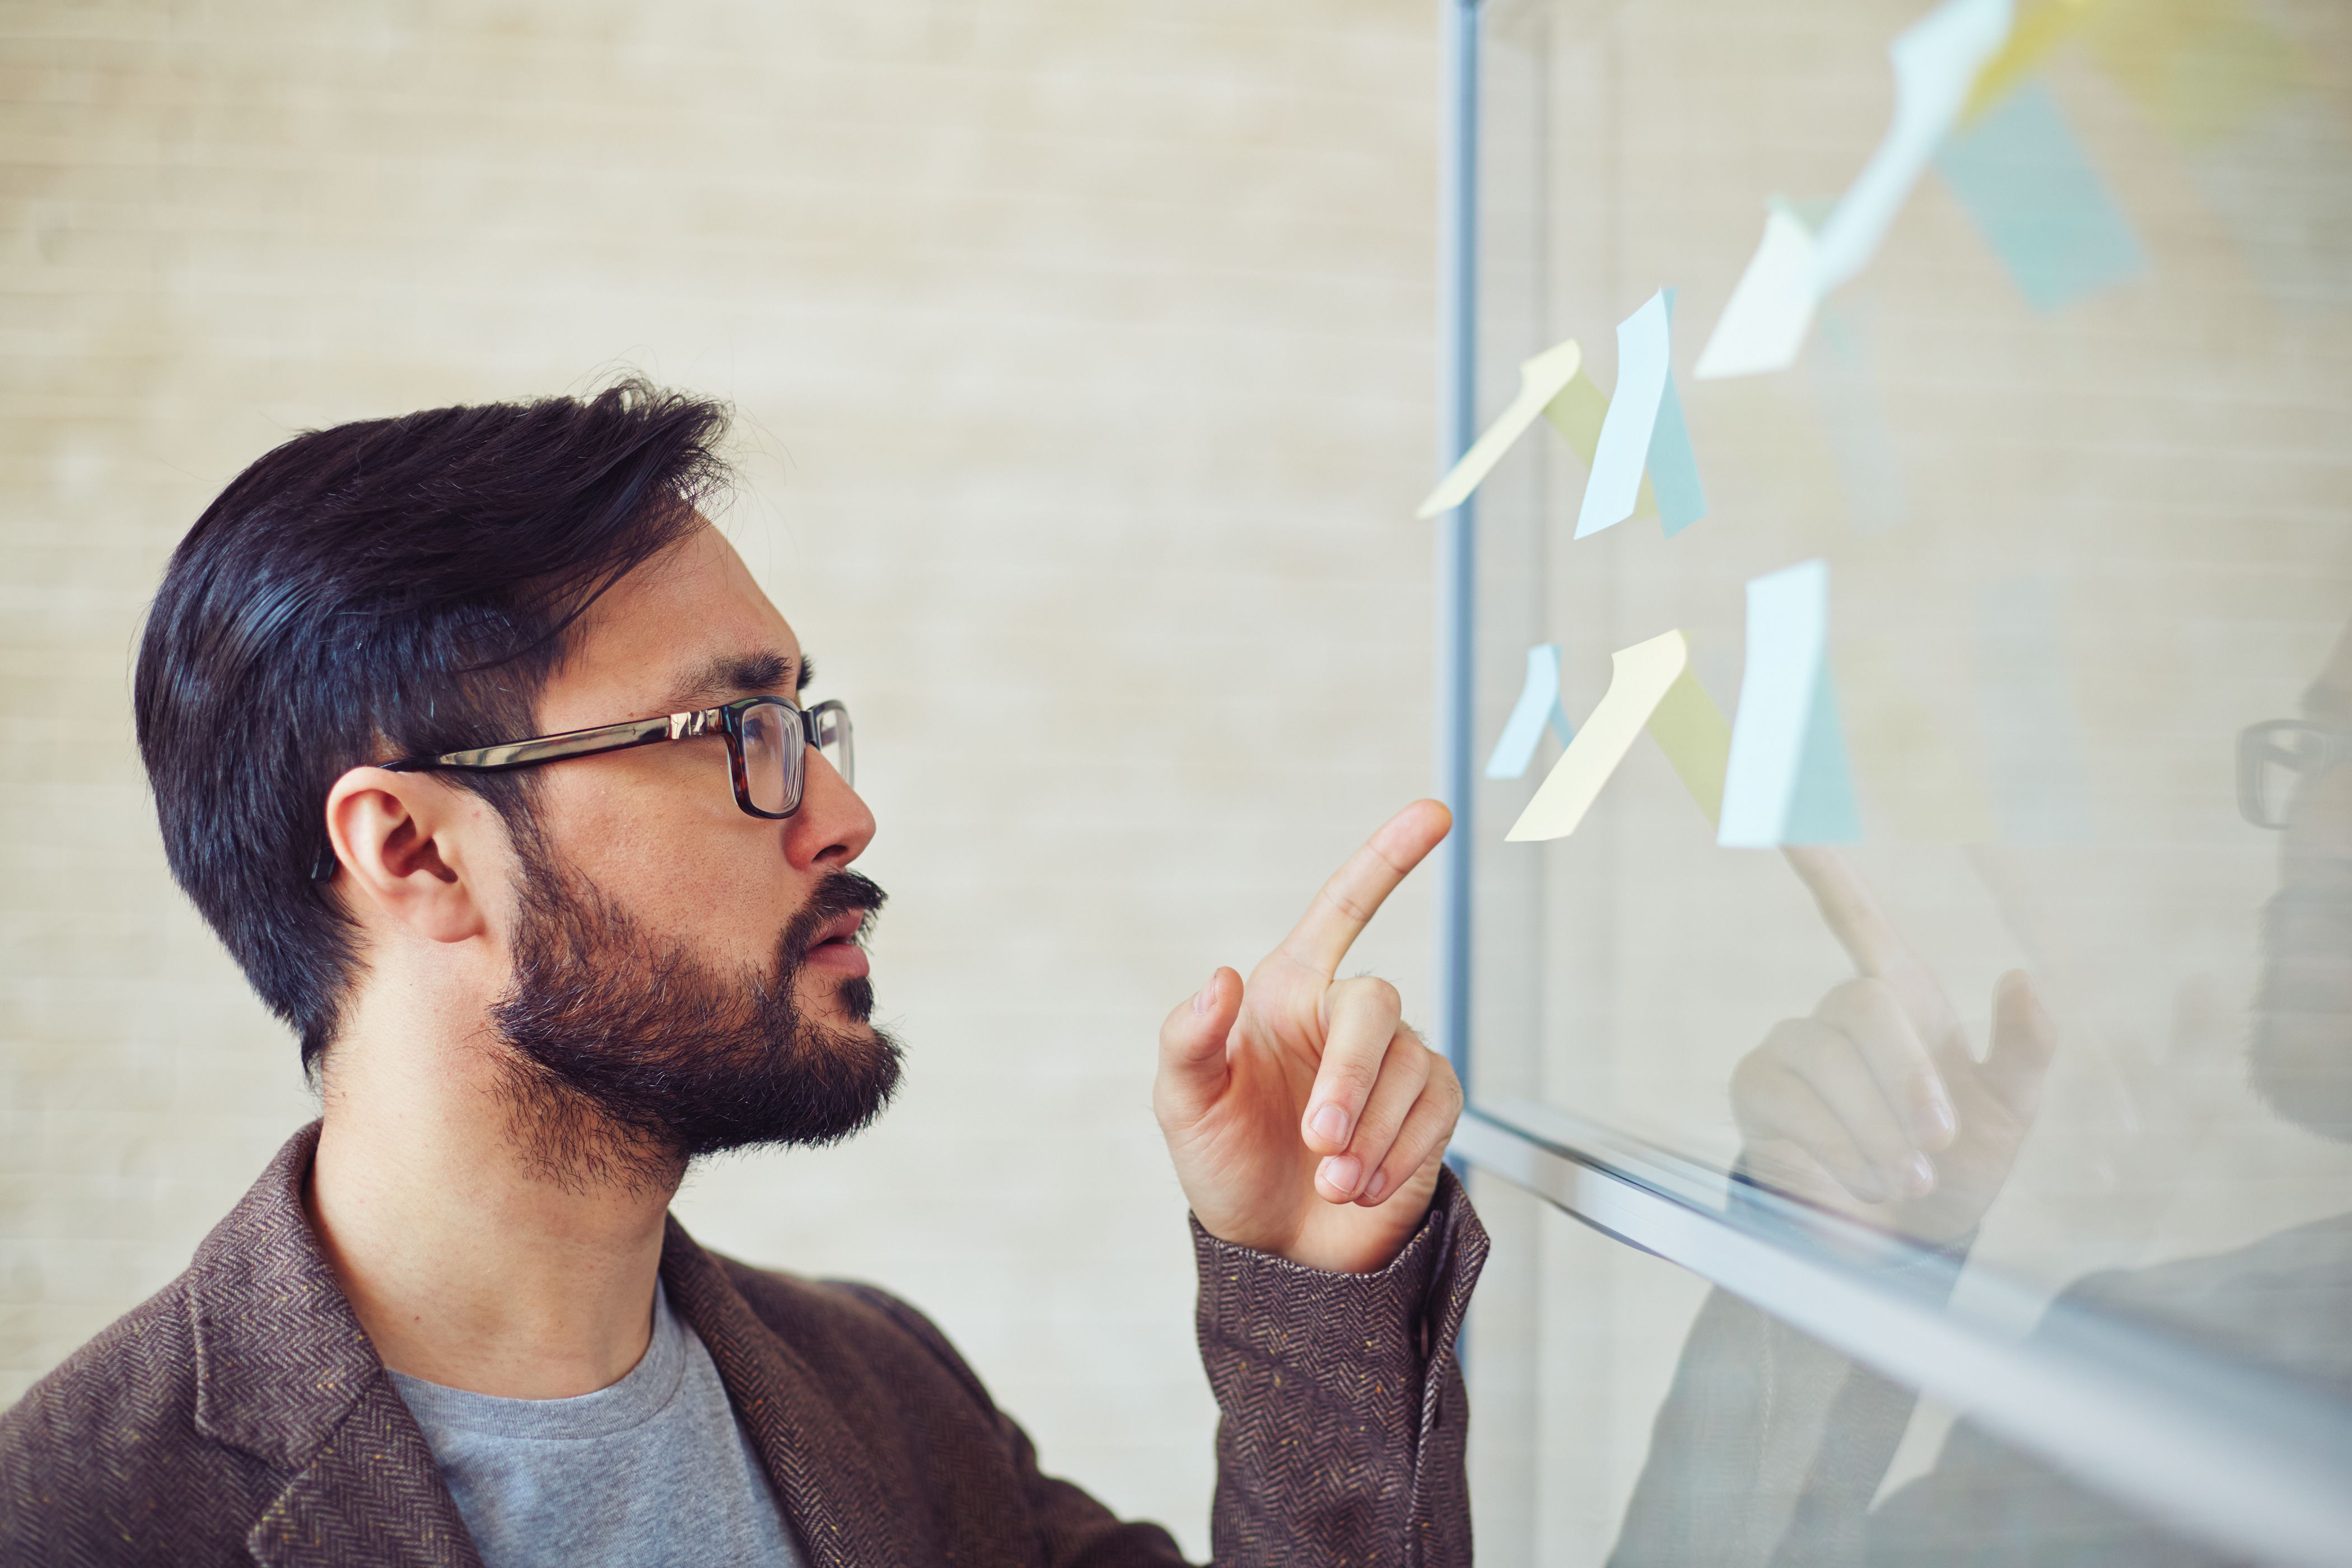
point(1342, 1416)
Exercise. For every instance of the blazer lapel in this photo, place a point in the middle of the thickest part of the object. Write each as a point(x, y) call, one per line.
point(371, 1495)
point(848, 1510)
point(285, 1373)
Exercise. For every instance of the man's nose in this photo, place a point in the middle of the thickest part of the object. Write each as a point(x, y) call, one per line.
point(833, 826)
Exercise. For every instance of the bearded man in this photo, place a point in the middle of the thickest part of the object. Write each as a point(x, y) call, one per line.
point(488, 761)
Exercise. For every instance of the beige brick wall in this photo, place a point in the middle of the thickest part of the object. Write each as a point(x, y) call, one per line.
point(1083, 354)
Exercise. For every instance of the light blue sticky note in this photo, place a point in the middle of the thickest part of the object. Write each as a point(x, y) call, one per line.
point(1788, 781)
point(1615, 483)
point(1673, 467)
point(1936, 62)
point(2033, 740)
point(1538, 704)
point(2038, 203)
point(1643, 431)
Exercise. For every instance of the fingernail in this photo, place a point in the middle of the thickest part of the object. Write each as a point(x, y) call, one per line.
point(1330, 1125)
point(1921, 1175)
point(1343, 1171)
point(1373, 1188)
point(1207, 997)
point(1939, 1116)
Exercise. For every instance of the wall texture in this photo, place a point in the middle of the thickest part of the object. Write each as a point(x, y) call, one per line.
point(1083, 357)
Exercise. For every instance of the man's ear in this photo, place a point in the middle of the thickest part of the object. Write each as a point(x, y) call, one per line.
point(416, 850)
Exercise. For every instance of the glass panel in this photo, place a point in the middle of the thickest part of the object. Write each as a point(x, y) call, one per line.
point(771, 749)
point(2069, 452)
point(1622, 1412)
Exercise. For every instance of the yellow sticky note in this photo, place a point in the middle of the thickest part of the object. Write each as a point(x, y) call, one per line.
point(1541, 379)
point(1650, 686)
point(2037, 32)
point(1577, 413)
point(2203, 68)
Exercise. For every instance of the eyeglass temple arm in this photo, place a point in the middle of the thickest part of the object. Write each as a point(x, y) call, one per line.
point(548, 749)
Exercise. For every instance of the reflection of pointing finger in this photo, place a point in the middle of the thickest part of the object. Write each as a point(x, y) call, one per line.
point(1869, 1014)
point(1347, 903)
point(1862, 928)
point(2023, 1040)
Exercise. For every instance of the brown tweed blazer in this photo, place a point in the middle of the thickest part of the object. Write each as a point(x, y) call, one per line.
point(241, 1415)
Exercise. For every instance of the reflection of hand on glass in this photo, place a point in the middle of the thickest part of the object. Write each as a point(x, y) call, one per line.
point(1874, 1105)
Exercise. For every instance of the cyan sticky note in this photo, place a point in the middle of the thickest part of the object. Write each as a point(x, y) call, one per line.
point(2034, 196)
point(2032, 737)
point(1643, 431)
point(1537, 706)
point(1936, 61)
point(1788, 780)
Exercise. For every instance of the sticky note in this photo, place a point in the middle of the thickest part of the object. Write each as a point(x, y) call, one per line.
point(2204, 68)
point(1764, 323)
point(2032, 194)
point(2034, 743)
point(1650, 687)
point(1788, 780)
point(1936, 61)
point(2039, 29)
point(1578, 414)
point(1644, 432)
point(1538, 705)
point(1541, 379)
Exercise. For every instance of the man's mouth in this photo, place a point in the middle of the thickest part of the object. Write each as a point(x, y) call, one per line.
point(833, 944)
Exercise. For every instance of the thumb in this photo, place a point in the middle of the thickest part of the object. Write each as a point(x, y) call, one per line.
point(2023, 1040)
point(1193, 1069)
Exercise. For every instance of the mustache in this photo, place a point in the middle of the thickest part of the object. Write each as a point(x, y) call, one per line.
point(841, 893)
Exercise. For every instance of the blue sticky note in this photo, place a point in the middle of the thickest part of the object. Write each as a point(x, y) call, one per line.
point(1538, 705)
point(1673, 467)
point(2033, 740)
point(1643, 430)
point(2031, 188)
point(1788, 780)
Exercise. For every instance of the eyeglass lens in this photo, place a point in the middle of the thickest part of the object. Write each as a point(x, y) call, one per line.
point(2275, 759)
point(774, 752)
point(771, 758)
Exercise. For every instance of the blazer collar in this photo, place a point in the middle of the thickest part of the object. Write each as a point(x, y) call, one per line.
point(285, 1373)
point(847, 1509)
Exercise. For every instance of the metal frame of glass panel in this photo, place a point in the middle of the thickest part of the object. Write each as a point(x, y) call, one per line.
point(2249, 1465)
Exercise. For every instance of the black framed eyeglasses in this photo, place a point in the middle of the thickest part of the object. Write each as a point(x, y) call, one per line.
point(768, 742)
point(2277, 756)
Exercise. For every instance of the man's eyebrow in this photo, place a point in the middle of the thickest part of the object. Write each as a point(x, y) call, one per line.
point(733, 675)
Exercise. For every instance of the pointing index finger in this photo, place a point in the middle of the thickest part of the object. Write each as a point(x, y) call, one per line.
point(1347, 902)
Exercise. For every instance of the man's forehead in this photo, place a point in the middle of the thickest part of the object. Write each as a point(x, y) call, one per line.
point(690, 628)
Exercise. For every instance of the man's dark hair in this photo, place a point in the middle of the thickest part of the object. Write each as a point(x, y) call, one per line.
point(388, 588)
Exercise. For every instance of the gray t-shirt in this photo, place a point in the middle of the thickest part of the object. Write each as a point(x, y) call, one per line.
point(652, 1472)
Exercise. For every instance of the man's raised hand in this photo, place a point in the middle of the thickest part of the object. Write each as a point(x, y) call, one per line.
point(1303, 1117)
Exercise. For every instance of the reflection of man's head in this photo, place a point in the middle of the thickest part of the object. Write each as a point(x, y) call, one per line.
point(2294, 776)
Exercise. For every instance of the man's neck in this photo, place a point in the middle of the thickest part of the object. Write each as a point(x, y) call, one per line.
point(467, 1266)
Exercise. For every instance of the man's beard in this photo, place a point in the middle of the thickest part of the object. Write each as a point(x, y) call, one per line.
point(2300, 1060)
point(627, 1057)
